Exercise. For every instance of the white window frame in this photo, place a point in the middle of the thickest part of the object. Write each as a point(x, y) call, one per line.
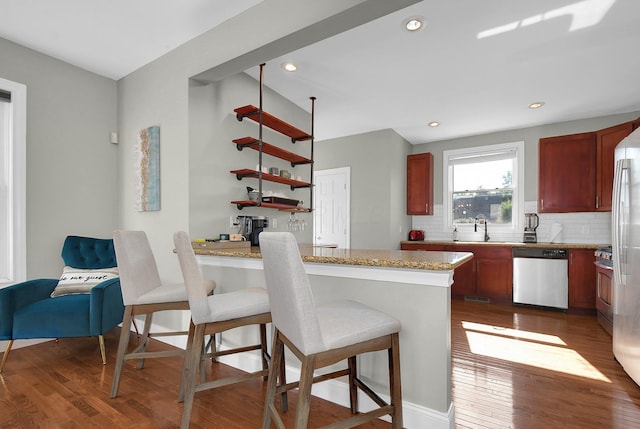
point(16, 162)
point(517, 208)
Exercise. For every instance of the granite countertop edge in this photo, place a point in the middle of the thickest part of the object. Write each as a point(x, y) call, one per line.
point(434, 261)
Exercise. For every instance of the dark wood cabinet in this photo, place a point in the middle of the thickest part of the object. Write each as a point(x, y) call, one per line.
point(576, 171)
point(582, 279)
point(606, 142)
point(494, 274)
point(489, 275)
point(567, 173)
point(420, 184)
point(604, 297)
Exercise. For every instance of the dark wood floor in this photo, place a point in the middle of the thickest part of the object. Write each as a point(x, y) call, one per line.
point(512, 368)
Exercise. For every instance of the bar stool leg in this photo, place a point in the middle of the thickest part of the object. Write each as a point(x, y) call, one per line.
point(304, 392)
point(125, 333)
point(277, 353)
point(394, 381)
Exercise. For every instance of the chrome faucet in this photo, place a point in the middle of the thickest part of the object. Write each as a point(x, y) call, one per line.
point(475, 225)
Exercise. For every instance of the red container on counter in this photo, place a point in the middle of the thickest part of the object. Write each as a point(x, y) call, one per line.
point(416, 235)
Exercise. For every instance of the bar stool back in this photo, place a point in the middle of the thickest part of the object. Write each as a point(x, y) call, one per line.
point(214, 314)
point(143, 294)
point(322, 335)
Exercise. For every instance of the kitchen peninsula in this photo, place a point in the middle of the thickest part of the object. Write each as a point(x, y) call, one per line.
point(412, 286)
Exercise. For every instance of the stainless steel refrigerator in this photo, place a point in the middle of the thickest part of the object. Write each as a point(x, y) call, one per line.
point(625, 222)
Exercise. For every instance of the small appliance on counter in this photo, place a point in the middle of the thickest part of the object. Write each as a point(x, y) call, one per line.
point(531, 222)
point(416, 235)
point(252, 226)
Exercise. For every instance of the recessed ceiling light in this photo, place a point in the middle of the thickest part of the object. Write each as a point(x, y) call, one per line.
point(434, 124)
point(536, 105)
point(414, 23)
point(290, 67)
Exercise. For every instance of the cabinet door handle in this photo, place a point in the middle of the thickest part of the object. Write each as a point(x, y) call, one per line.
point(426, 208)
point(542, 204)
point(597, 201)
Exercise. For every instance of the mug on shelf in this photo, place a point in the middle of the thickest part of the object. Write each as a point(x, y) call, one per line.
point(237, 237)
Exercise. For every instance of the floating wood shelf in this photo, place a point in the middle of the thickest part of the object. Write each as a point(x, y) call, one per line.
point(268, 120)
point(282, 207)
point(272, 150)
point(245, 172)
point(265, 119)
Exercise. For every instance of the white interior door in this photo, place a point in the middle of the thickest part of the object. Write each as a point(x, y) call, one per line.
point(331, 214)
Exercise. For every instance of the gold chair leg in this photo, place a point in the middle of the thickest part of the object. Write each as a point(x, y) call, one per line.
point(102, 350)
point(6, 354)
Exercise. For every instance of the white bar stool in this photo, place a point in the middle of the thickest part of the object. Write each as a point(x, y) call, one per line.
point(321, 336)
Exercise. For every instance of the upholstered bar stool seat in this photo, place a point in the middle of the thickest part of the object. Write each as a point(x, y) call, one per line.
point(144, 294)
point(214, 314)
point(322, 335)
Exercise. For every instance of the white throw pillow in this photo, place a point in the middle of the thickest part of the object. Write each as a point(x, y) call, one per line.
point(76, 280)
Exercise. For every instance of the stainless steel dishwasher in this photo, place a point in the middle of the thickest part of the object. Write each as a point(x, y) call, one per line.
point(541, 277)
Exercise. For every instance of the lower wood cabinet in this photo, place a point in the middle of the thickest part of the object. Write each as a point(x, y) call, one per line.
point(582, 279)
point(494, 278)
point(604, 297)
point(489, 275)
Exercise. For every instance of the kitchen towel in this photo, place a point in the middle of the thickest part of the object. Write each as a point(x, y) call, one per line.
point(556, 233)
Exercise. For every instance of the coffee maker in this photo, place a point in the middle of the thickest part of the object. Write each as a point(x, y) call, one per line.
point(531, 222)
point(252, 226)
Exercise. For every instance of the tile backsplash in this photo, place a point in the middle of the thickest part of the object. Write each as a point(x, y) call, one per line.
point(579, 228)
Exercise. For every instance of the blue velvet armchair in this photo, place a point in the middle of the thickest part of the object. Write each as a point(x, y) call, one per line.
point(27, 309)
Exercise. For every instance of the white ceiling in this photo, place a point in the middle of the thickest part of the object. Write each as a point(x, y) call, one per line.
point(114, 37)
point(475, 67)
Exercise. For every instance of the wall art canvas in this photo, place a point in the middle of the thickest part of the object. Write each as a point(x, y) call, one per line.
point(147, 166)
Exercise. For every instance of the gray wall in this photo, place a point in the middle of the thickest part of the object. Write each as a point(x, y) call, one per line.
point(159, 94)
point(378, 185)
point(529, 135)
point(377, 161)
point(212, 127)
point(71, 165)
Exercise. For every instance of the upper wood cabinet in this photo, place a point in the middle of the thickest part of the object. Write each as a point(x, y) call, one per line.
point(576, 171)
point(567, 175)
point(420, 184)
point(607, 140)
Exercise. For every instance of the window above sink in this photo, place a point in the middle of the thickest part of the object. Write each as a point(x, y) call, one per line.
point(484, 182)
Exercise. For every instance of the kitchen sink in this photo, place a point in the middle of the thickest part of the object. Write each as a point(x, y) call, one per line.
point(471, 236)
